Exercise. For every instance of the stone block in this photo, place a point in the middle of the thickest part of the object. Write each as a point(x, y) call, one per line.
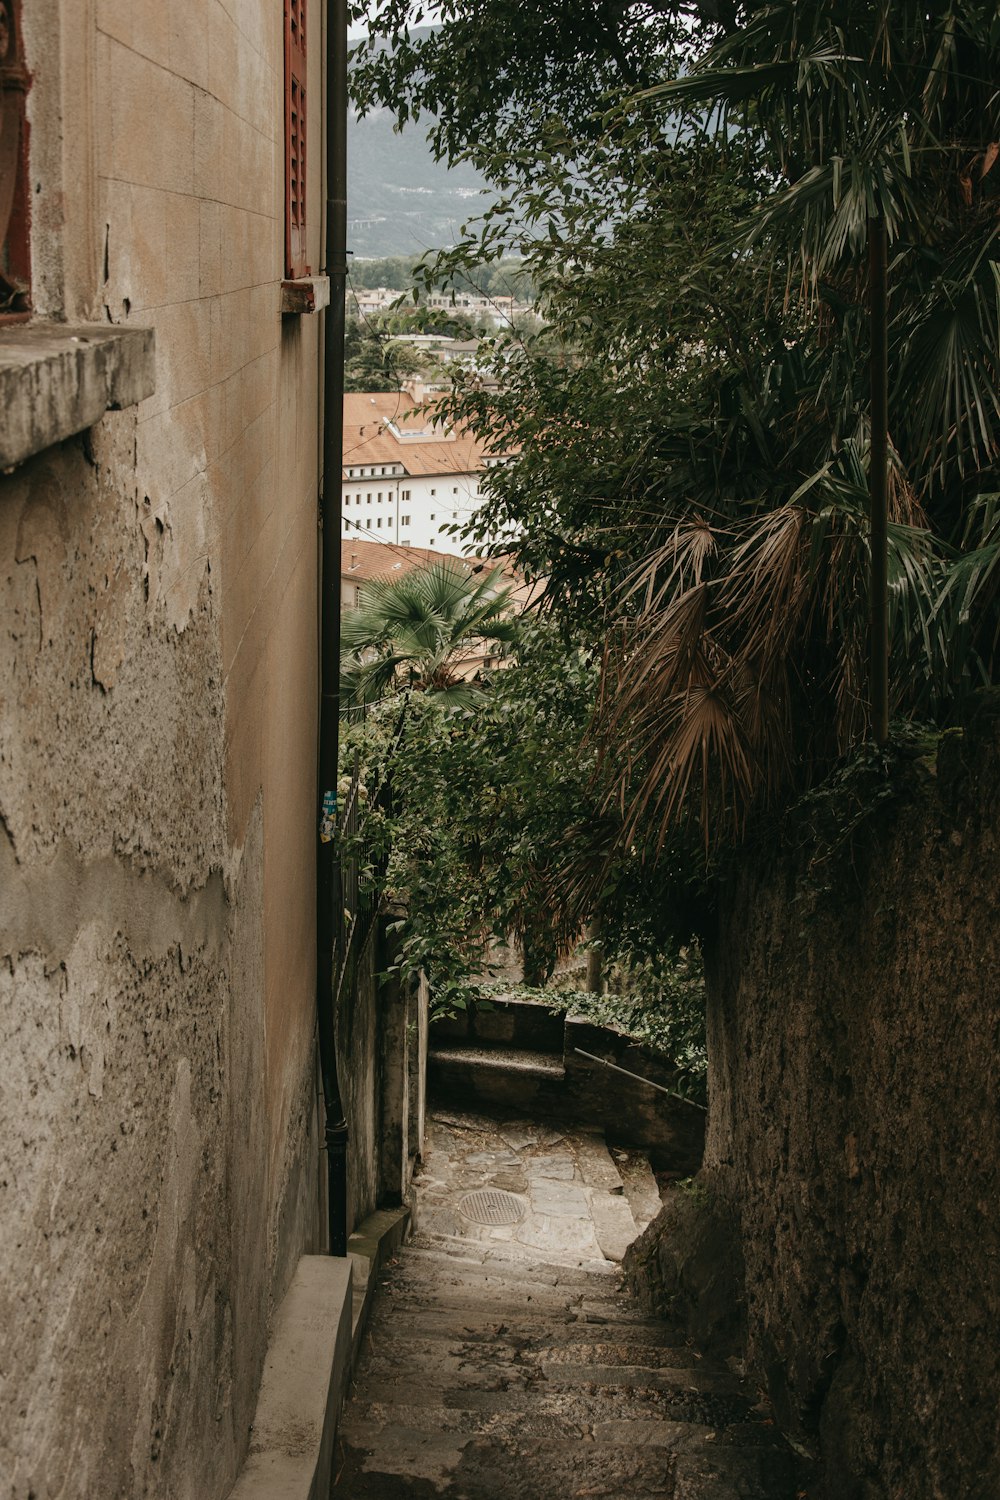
point(309, 294)
point(57, 380)
point(303, 1386)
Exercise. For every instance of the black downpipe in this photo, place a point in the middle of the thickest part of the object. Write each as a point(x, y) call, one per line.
point(878, 478)
point(328, 903)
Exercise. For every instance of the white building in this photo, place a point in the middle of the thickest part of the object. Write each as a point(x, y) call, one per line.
point(407, 479)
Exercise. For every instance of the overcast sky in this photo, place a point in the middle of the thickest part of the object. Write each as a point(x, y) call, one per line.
point(428, 19)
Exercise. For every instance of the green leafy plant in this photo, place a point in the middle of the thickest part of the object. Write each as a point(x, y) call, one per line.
point(424, 632)
point(692, 191)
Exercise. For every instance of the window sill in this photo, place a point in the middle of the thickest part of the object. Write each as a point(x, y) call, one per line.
point(57, 379)
point(308, 294)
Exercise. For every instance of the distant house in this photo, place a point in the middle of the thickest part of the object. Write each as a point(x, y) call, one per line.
point(407, 478)
point(362, 561)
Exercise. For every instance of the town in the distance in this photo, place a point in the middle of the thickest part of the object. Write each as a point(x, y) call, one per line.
point(411, 477)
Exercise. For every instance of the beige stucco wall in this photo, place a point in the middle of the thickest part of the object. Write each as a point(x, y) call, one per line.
point(158, 1152)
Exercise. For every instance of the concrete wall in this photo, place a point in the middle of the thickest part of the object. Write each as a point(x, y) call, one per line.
point(158, 1143)
point(381, 1033)
point(853, 1154)
point(436, 502)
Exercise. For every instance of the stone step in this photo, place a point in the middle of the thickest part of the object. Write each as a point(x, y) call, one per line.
point(477, 1367)
point(510, 1253)
point(641, 1189)
point(445, 1274)
point(538, 1328)
point(482, 1305)
point(520, 1061)
point(508, 1078)
point(412, 1462)
point(367, 1423)
point(546, 1348)
point(519, 1261)
point(614, 1225)
point(577, 1402)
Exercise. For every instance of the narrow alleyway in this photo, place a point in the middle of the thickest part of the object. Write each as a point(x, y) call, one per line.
point(504, 1360)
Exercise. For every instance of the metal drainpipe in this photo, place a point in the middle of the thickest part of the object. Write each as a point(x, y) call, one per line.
point(328, 903)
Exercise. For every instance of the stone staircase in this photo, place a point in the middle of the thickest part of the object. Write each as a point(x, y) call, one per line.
point(508, 1056)
point(516, 1054)
point(504, 1362)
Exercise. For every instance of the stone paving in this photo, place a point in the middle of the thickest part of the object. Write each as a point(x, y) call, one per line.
point(574, 1207)
point(504, 1362)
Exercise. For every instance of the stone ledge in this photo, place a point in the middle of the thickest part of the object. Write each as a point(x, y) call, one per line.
point(302, 1389)
point(369, 1247)
point(57, 379)
point(308, 294)
point(313, 1345)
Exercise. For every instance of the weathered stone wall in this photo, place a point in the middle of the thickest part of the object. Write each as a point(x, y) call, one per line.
point(158, 1142)
point(853, 1154)
point(381, 1037)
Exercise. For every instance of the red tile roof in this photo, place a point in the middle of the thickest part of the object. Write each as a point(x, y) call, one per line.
point(361, 561)
point(421, 446)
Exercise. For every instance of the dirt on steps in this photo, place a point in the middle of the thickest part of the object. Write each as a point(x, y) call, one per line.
point(516, 1368)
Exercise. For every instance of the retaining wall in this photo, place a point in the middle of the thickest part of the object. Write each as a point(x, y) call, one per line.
point(847, 1209)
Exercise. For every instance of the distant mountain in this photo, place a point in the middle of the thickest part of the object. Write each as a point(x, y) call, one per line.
point(400, 201)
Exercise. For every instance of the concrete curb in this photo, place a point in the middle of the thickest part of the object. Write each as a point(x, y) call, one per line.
point(302, 1389)
point(368, 1249)
point(314, 1342)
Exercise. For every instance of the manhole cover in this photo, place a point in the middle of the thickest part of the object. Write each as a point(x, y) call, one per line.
point(492, 1206)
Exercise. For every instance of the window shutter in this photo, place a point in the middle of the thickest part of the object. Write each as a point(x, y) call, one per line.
point(15, 258)
point(295, 138)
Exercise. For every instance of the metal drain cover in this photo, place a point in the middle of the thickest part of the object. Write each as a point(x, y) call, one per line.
point(492, 1206)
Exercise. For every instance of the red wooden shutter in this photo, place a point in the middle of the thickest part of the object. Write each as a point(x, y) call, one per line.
point(15, 256)
point(295, 138)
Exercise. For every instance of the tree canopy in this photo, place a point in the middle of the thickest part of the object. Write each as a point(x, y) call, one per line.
point(692, 189)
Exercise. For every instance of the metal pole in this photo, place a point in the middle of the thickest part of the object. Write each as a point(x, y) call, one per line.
point(328, 913)
point(639, 1079)
point(878, 477)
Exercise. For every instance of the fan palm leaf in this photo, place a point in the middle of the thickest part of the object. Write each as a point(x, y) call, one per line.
point(417, 629)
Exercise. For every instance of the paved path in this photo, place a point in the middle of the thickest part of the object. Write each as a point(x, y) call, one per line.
point(504, 1362)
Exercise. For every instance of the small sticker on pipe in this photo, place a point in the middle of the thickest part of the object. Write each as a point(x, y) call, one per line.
point(328, 820)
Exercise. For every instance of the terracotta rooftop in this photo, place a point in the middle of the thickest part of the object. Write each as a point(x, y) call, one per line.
point(361, 561)
point(386, 427)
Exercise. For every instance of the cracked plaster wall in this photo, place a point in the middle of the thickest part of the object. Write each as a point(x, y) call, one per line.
point(158, 1133)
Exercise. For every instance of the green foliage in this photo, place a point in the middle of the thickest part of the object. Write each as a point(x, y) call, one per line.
point(420, 632)
point(691, 189)
point(495, 815)
point(371, 361)
point(830, 823)
point(509, 277)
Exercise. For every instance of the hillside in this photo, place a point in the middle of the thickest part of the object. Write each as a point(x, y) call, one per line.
point(400, 200)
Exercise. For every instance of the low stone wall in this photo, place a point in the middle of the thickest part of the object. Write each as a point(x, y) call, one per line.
point(631, 1112)
point(578, 1089)
point(852, 1168)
